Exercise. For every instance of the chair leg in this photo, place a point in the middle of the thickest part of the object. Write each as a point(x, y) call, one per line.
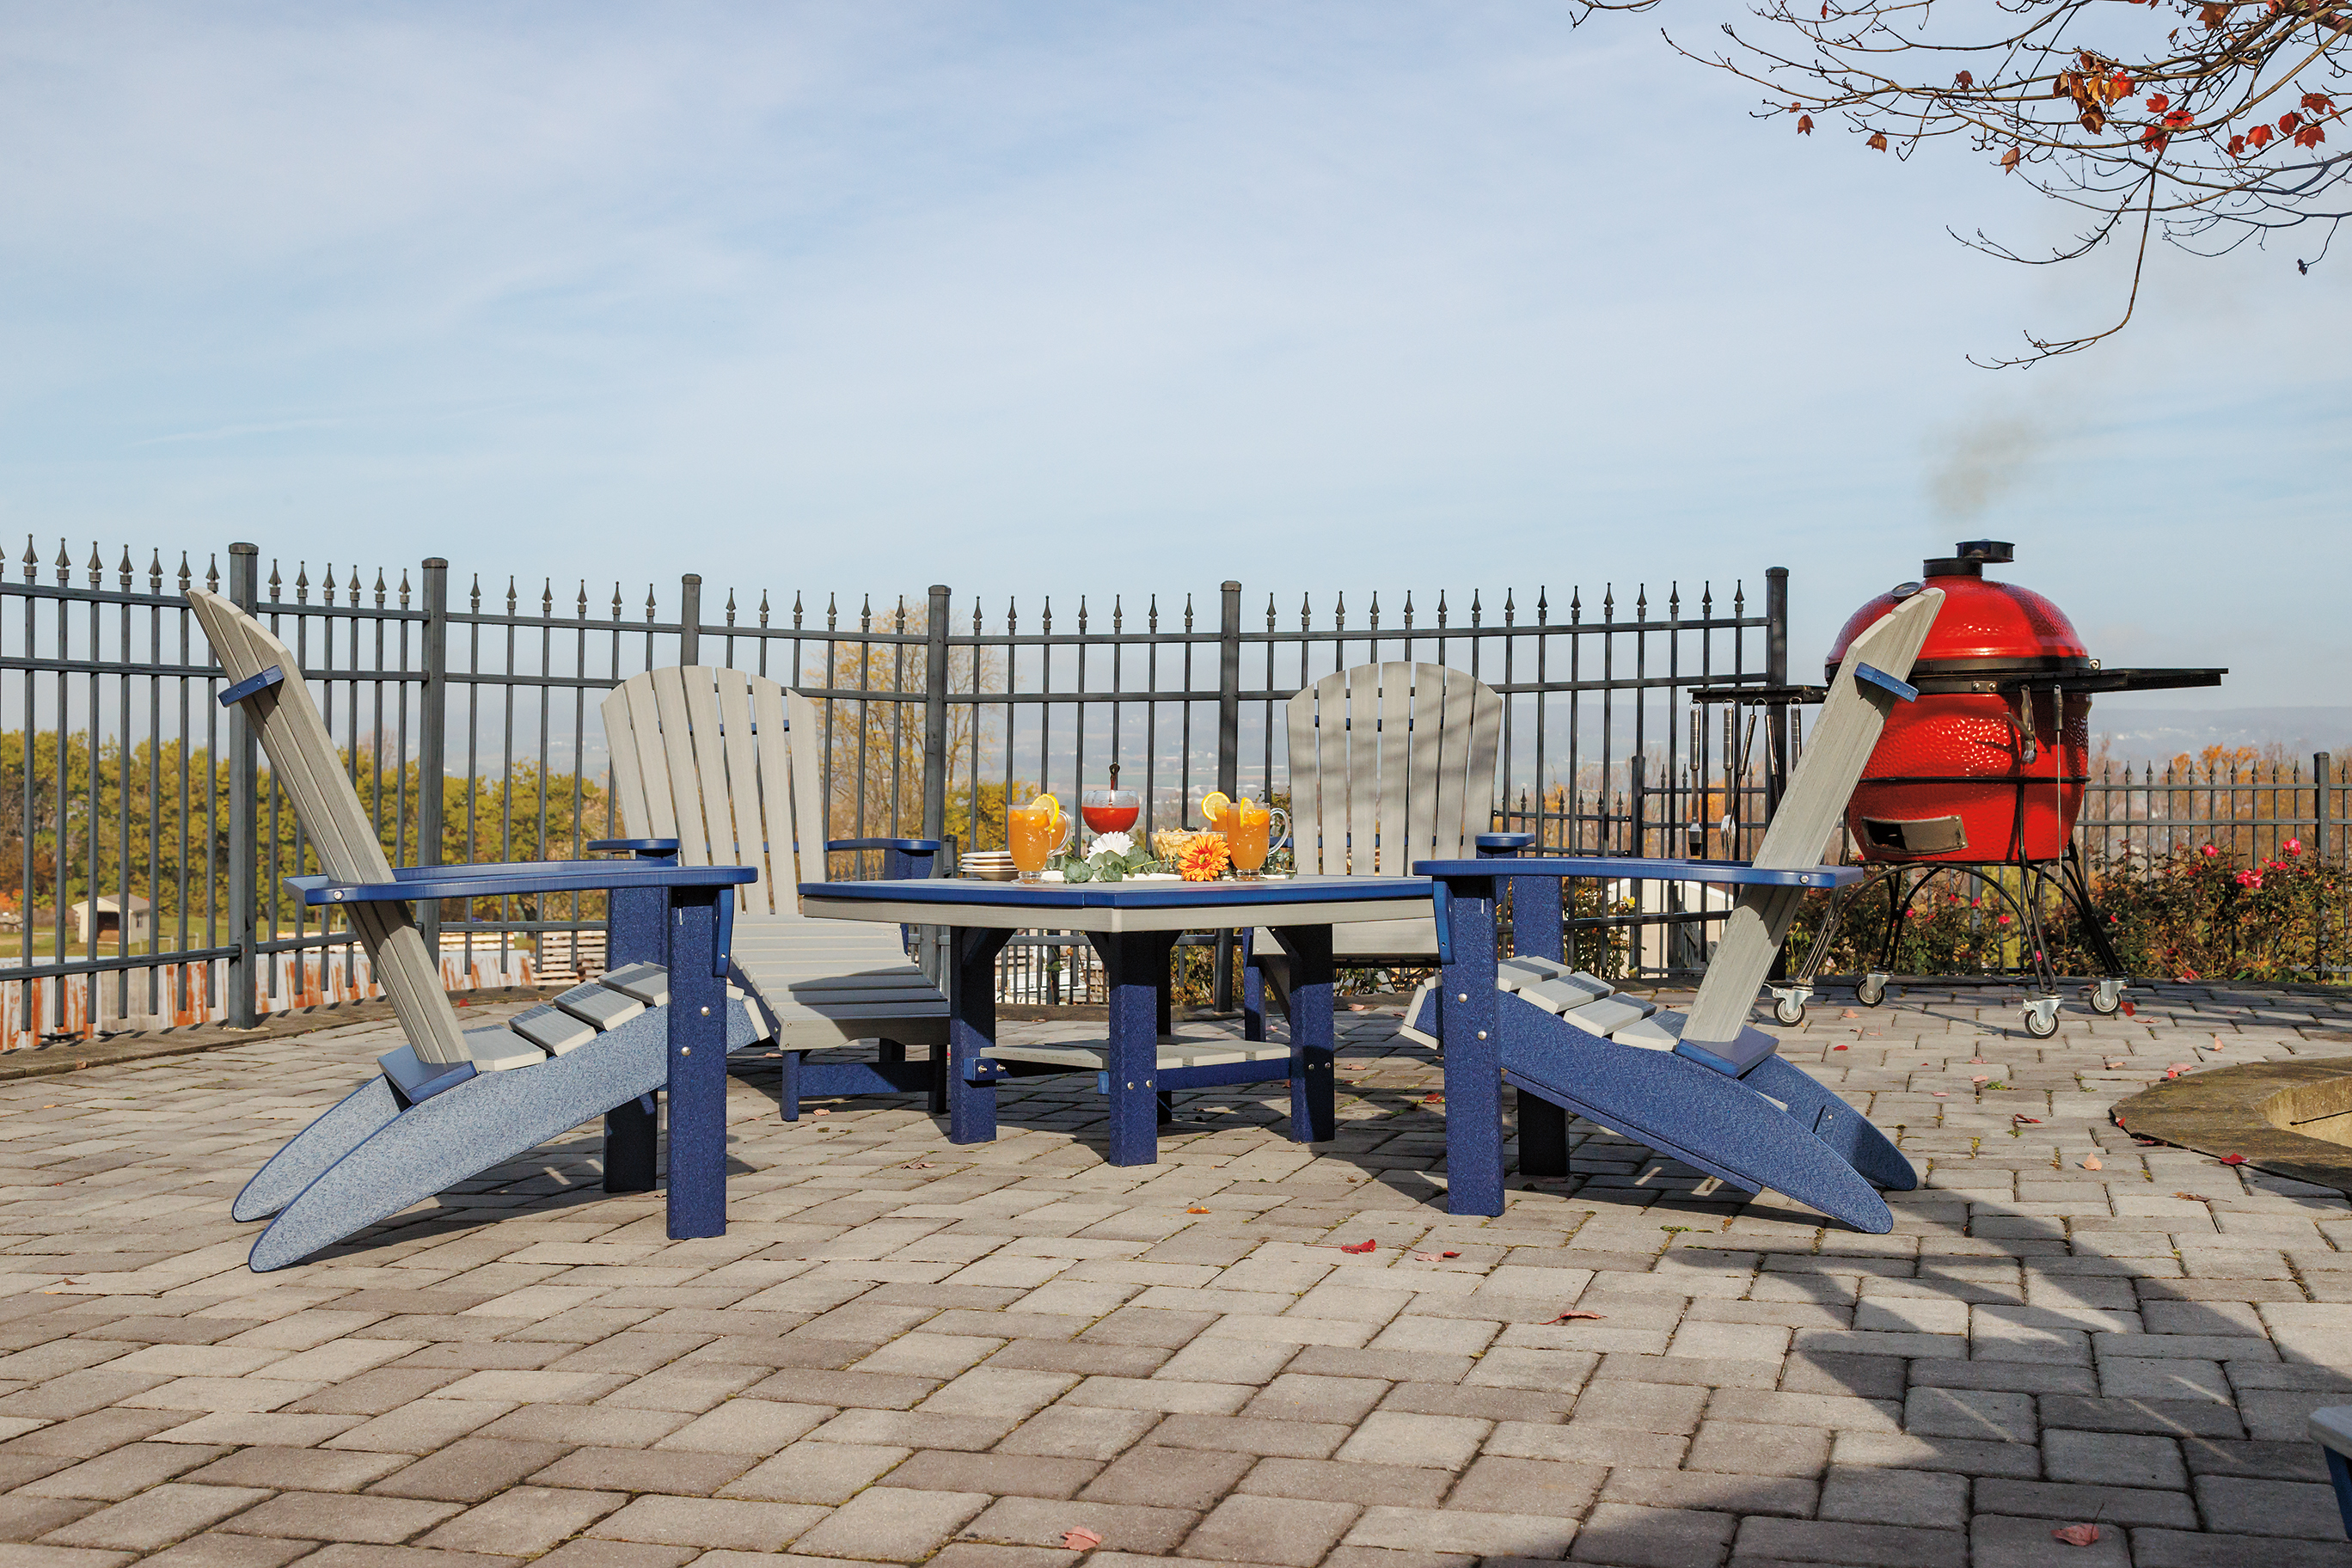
point(1253, 993)
point(1543, 1136)
point(1166, 1108)
point(937, 1102)
point(788, 1100)
point(631, 1139)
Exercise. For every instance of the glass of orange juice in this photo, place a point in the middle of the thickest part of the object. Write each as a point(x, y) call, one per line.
point(1249, 833)
point(1035, 833)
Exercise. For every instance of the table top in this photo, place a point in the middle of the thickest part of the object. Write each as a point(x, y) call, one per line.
point(1121, 906)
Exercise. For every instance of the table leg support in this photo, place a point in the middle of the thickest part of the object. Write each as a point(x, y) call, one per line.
point(971, 1029)
point(1135, 977)
point(697, 1067)
point(638, 933)
point(1473, 1080)
point(1314, 1112)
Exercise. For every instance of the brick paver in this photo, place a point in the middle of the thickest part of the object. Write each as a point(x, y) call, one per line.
point(907, 1352)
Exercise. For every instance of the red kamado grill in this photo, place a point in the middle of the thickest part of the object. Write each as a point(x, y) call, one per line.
point(1982, 776)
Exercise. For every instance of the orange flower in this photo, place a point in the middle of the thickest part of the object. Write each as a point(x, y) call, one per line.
point(1203, 858)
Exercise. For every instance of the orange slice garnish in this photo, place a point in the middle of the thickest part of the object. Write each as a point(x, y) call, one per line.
point(1213, 806)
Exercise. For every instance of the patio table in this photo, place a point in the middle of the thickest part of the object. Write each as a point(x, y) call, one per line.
point(1133, 925)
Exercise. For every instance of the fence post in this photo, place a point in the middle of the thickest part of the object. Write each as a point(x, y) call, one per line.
point(1776, 673)
point(689, 618)
point(2322, 784)
point(1775, 718)
point(1229, 748)
point(935, 718)
point(433, 739)
point(244, 820)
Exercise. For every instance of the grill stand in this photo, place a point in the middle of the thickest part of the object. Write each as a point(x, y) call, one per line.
point(1904, 882)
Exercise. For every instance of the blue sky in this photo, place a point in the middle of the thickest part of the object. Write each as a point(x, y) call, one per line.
point(1051, 298)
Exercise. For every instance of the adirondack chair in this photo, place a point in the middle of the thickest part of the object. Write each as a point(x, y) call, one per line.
point(1706, 1087)
point(451, 1102)
point(726, 762)
point(1390, 763)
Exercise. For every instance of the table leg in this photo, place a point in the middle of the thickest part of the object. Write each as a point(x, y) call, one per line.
point(698, 1066)
point(1474, 1098)
point(1314, 1112)
point(1135, 977)
point(971, 1029)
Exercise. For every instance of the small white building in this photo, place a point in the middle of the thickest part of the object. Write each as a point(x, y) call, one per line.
point(108, 919)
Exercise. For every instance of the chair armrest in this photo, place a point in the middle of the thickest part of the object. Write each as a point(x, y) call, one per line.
point(903, 859)
point(411, 884)
point(642, 847)
point(1636, 869)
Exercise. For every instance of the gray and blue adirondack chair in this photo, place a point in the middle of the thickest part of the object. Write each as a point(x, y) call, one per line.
point(1707, 1088)
point(451, 1102)
point(727, 762)
point(1390, 763)
point(2331, 1428)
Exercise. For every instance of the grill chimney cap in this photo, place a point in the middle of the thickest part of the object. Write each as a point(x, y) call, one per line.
point(1969, 557)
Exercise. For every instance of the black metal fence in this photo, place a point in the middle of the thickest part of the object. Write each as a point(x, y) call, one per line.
point(140, 876)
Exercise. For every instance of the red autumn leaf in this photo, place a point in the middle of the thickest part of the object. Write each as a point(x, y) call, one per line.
point(1966, 79)
point(1364, 1246)
point(1433, 1257)
point(2008, 166)
point(2288, 121)
point(2258, 136)
point(2233, 1159)
point(1196, 1209)
point(2180, 119)
point(1432, 1099)
point(2076, 1535)
point(1080, 1540)
point(2153, 139)
point(2130, 1009)
point(2159, 104)
point(2318, 103)
point(1570, 1317)
point(1877, 141)
point(2029, 1120)
point(1804, 125)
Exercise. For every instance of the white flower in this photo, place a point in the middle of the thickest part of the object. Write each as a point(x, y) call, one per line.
point(1110, 844)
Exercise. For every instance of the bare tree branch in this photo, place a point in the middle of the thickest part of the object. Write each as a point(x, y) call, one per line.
point(2204, 119)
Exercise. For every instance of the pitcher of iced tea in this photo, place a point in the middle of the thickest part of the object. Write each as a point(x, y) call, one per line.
point(1035, 833)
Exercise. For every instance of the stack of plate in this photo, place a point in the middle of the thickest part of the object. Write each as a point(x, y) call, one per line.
point(989, 865)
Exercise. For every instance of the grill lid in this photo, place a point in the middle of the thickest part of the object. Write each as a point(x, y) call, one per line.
point(1986, 629)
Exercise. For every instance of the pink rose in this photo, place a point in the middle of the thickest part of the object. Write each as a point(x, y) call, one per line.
point(2293, 845)
point(2209, 851)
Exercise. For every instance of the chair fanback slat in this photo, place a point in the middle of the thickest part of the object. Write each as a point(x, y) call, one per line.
point(303, 760)
point(808, 787)
point(1359, 740)
point(1390, 764)
point(1399, 783)
point(1310, 804)
point(746, 825)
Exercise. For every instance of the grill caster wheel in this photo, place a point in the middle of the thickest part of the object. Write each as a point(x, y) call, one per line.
point(1872, 991)
point(2042, 1018)
point(1789, 1010)
point(2107, 996)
